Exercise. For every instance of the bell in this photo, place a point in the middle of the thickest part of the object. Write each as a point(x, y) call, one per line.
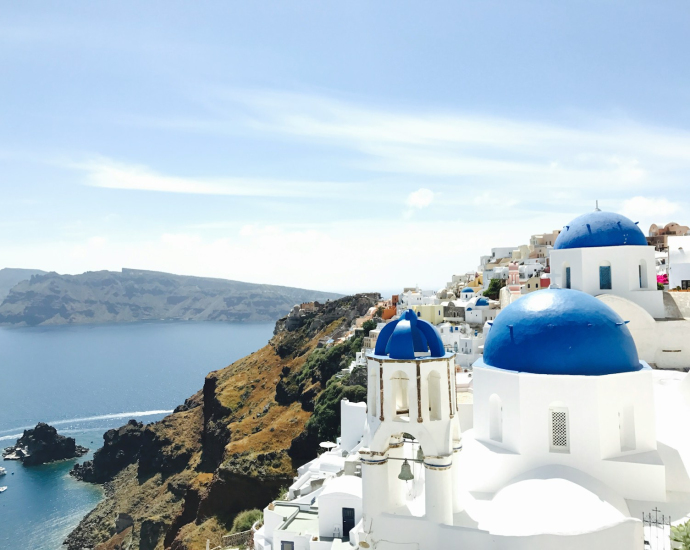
point(406, 472)
point(420, 454)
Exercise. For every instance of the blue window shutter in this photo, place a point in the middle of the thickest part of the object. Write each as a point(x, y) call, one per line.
point(605, 277)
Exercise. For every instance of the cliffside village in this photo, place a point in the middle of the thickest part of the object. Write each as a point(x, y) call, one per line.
point(540, 401)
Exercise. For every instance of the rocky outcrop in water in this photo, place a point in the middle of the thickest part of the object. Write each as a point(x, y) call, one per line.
point(228, 448)
point(139, 295)
point(41, 445)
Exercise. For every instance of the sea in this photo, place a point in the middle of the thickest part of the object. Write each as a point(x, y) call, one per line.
point(85, 380)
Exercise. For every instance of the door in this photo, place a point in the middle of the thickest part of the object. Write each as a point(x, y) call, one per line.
point(348, 521)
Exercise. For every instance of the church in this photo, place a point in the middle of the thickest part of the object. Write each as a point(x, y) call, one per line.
point(564, 450)
point(570, 438)
point(606, 255)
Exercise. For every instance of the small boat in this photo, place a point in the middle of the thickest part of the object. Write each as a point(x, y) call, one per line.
point(3, 489)
point(2, 471)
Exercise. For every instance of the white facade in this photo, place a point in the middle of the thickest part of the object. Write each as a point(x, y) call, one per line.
point(632, 272)
point(464, 341)
point(602, 426)
point(679, 262)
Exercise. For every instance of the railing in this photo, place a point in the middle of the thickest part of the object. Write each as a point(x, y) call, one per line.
point(656, 528)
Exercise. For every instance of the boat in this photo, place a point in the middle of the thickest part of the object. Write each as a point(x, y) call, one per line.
point(3, 489)
point(3, 471)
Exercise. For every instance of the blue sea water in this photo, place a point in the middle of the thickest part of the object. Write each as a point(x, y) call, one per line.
point(85, 380)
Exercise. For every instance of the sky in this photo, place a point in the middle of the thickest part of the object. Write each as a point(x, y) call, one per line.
point(342, 146)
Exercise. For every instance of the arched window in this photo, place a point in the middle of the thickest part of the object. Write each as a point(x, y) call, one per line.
point(605, 282)
point(399, 384)
point(434, 382)
point(373, 389)
point(565, 283)
point(559, 436)
point(495, 418)
point(643, 273)
point(626, 425)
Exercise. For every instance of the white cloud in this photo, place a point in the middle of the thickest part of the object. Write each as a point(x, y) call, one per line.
point(106, 173)
point(420, 199)
point(501, 152)
point(649, 207)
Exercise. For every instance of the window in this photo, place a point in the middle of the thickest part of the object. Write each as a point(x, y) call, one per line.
point(434, 381)
point(373, 388)
point(643, 274)
point(558, 430)
point(495, 418)
point(399, 383)
point(626, 425)
point(287, 545)
point(605, 277)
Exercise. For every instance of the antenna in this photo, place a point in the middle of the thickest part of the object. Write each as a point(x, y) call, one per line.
point(596, 208)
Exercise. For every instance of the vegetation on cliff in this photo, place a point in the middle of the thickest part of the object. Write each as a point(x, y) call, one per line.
point(228, 448)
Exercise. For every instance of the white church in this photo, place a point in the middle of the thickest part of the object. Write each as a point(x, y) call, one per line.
point(569, 439)
point(606, 255)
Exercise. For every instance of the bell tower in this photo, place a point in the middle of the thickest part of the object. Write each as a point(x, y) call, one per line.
point(412, 419)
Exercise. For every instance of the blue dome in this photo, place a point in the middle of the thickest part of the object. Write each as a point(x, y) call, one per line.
point(482, 302)
point(600, 229)
point(403, 338)
point(560, 331)
point(467, 289)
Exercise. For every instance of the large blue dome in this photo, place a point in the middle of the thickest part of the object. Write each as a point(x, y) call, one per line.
point(560, 331)
point(404, 338)
point(600, 229)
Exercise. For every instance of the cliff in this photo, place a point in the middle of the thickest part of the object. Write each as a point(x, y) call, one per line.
point(41, 445)
point(9, 277)
point(229, 447)
point(137, 295)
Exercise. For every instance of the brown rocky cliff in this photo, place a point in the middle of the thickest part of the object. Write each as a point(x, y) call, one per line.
point(183, 479)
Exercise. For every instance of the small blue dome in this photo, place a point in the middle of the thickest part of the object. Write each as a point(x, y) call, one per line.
point(482, 302)
point(560, 331)
point(467, 289)
point(600, 229)
point(403, 338)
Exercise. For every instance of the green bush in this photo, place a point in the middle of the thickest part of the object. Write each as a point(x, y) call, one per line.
point(681, 535)
point(322, 364)
point(495, 286)
point(245, 519)
point(325, 422)
point(368, 326)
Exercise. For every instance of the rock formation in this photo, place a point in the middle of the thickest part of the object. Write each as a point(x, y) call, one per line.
point(43, 444)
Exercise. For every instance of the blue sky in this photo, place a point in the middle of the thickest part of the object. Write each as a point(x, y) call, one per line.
point(335, 145)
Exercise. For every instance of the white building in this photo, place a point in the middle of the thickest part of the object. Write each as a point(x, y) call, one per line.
point(571, 439)
point(564, 450)
point(480, 310)
point(606, 253)
point(466, 342)
point(679, 262)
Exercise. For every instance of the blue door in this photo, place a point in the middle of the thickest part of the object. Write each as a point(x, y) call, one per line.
point(567, 277)
point(348, 521)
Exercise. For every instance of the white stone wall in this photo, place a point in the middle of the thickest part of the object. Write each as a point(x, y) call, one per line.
point(624, 260)
point(593, 404)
